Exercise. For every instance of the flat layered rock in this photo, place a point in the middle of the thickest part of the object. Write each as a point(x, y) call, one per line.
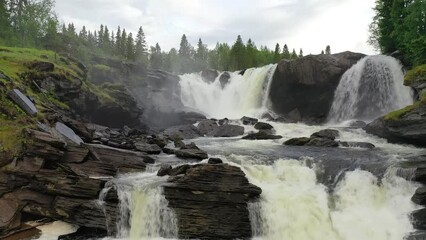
point(210, 202)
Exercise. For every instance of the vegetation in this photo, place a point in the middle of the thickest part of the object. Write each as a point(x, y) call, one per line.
point(33, 23)
point(400, 25)
point(417, 74)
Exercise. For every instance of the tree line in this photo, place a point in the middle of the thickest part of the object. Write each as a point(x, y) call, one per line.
point(33, 23)
point(400, 25)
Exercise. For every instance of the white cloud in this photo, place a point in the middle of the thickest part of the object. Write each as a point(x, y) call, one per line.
point(307, 24)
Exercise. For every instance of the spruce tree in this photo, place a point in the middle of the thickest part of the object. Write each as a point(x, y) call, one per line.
point(118, 49)
point(141, 48)
point(328, 50)
point(294, 54)
point(286, 52)
point(300, 53)
point(238, 58)
point(130, 47)
point(201, 55)
point(83, 34)
point(123, 43)
point(156, 57)
point(277, 53)
point(5, 27)
point(251, 54)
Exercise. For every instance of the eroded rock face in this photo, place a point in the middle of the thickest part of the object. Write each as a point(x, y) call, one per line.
point(303, 89)
point(409, 128)
point(210, 202)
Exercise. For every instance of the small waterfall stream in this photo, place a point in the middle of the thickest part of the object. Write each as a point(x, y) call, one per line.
point(370, 89)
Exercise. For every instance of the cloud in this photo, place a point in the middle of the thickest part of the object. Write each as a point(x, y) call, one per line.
point(307, 24)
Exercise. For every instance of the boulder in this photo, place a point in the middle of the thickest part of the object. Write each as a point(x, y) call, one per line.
point(164, 170)
point(261, 135)
point(224, 79)
point(357, 124)
point(297, 141)
point(407, 127)
point(418, 219)
point(42, 66)
point(68, 133)
point(263, 126)
point(209, 75)
point(181, 169)
point(322, 142)
point(148, 148)
point(249, 120)
point(223, 121)
point(215, 161)
point(357, 144)
point(195, 154)
point(308, 84)
point(23, 101)
point(420, 196)
point(207, 126)
point(326, 133)
point(210, 202)
point(183, 132)
point(227, 130)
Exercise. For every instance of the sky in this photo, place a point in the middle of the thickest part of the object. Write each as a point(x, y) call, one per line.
point(307, 24)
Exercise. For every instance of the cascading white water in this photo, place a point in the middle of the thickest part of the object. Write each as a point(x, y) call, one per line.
point(243, 95)
point(371, 88)
point(295, 207)
point(144, 211)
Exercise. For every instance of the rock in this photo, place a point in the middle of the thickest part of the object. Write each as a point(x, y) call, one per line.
point(148, 148)
point(207, 126)
point(209, 75)
point(263, 126)
point(84, 233)
point(261, 135)
point(227, 130)
point(420, 196)
point(308, 85)
point(183, 132)
point(195, 154)
point(179, 143)
point(182, 169)
point(249, 120)
point(357, 124)
point(10, 216)
point(326, 133)
point(23, 101)
point(409, 128)
point(322, 142)
point(68, 133)
point(190, 146)
point(168, 151)
point(75, 154)
point(420, 175)
point(357, 145)
point(164, 170)
point(161, 142)
point(42, 66)
point(223, 121)
point(215, 161)
point(120, 158)
point(297, 141)
point(418, 219)
point(210, 201)
point(224, 79)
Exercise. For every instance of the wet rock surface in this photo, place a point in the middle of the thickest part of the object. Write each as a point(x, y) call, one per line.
point(210, 202)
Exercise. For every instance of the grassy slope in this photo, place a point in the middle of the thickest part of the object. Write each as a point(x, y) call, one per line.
point(14, 63)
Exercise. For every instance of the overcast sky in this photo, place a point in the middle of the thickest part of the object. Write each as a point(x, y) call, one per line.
point(307, 24)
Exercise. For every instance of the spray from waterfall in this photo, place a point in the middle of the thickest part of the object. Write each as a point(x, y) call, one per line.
point(244, 94)
point(370, 89)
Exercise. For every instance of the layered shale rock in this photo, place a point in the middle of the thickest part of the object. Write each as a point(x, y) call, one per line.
point(210, 201)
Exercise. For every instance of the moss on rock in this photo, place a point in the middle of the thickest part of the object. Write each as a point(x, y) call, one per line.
point(415, 75)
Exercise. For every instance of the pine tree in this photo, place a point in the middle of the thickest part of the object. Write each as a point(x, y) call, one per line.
point(141, 48)
point(277, 53)
point(5, 27)
point(300, 53)
point(251, 54)
point(238, 58)
point(185, 55)
point(286, 52)
point(71, 30)
point(185, 47)
point(201, 55)
point(83, 34)
point(322, 52)
point(123, 43)
point(101, 36)
point(105, 40)
point(130, 47)
point(294, 54)
point(156, 57)
point(328, 50)
point(51, 38)
point(118, 44)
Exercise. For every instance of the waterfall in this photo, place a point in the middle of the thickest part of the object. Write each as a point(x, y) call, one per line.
point(243, 95)
point(370, 89)
point(143, 209)
point(294, 206)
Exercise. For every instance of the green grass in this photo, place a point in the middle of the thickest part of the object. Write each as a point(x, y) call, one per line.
point(415, 75)
point(396, 115)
